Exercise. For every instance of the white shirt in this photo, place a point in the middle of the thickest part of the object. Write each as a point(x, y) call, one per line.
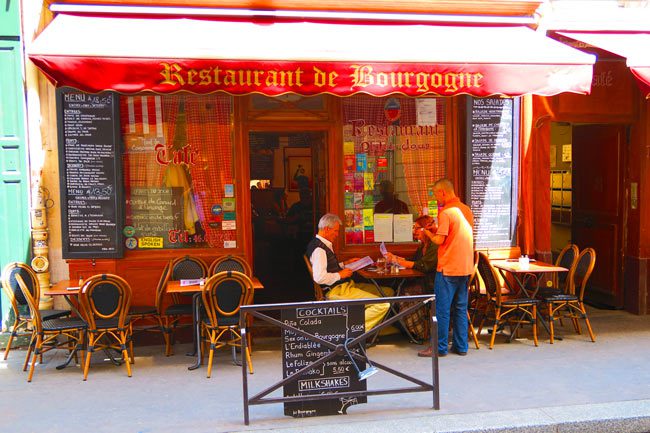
point(318, 261)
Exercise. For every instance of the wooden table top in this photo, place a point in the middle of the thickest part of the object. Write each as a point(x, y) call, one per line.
point(403, 273)
point(175, 286)
point(71, 287)
point(62, 288)
point(535, 267)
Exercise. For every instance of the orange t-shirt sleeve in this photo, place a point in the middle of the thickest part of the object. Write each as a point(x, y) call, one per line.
point(443, 224)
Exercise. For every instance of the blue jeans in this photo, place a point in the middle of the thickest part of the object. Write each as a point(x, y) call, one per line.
point(451, 291)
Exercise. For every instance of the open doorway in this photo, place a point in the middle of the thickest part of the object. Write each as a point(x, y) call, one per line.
point(287, 173)
point(588, 203)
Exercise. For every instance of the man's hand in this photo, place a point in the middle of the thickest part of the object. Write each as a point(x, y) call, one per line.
point(345, 273)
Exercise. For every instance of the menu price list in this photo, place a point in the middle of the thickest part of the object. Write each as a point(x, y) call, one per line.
point(89, 161)
point(334, 324)
point(491, 169)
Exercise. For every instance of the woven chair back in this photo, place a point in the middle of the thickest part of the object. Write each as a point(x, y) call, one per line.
point(161, 288)
point(105, 297)
point(567, 259)
point(230, 263)
point(224, 293)
point(37, 321)
point(583, 269)
point(319, 295)
point(188, 267)
point(489, 277)
point(11, 287)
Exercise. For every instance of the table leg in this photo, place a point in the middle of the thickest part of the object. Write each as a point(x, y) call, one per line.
point(196, 322)
point(393, 309)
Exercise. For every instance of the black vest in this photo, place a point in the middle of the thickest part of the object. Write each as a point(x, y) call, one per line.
point(332, 261)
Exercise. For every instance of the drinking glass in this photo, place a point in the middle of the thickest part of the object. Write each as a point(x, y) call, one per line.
point(381, 265)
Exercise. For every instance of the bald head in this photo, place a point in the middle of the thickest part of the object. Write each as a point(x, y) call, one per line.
point(443, 190)
point(444, 184)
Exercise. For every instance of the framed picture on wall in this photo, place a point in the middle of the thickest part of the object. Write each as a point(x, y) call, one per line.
point(298, 171)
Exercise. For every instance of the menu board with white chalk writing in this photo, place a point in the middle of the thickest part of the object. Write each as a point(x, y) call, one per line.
point(492, 169)
point(90, 174)
point(332, 323)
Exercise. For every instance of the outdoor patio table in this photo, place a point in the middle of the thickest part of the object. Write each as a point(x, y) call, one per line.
point(195, 289)
point(398, 282)
point(534, 271)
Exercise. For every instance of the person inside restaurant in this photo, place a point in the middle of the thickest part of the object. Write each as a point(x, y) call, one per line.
point(335, 279)
point(389, 202)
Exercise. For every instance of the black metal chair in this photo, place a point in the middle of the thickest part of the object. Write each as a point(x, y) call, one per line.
point(230, 263)
point(510, 310)
point(570, 304)
point(223, 295)
point(105, 300)
point(18, 302)
point(46, 331)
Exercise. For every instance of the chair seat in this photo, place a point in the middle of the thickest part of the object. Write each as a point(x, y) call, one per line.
point(545, 292)
point(518, 301)
point(53, 314)
point(179, 310)
point(561, 297)
point(223, 321)
point(63, 324)
point(142, 310)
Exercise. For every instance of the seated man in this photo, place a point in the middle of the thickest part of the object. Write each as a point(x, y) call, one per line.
point(328, 272)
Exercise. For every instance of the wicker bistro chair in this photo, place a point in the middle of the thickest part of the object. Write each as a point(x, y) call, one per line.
point(171, 314)
point(474, 300)
point(238, 264)
point(45, 332)
point(567, 258)
point(505, 309)
point(570, 303)
point(18, 301)
point(223, 294)
point(319, 293)
point(230, 263)
point(105, 300)
point(151, 314)
point(185, 267)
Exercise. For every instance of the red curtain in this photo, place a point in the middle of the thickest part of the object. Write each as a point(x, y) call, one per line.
point(534, 230)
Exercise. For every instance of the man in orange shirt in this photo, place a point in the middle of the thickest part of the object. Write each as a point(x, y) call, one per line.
point(455, 265)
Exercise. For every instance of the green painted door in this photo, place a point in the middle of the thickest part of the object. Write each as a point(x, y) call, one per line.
point(14, 182)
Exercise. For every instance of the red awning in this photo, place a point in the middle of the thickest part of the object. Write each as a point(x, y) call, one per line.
point(634, 46)
point(131, 55)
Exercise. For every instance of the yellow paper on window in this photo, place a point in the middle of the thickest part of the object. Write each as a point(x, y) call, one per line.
point(348, 148)
point(368, 181)
point(368, 218)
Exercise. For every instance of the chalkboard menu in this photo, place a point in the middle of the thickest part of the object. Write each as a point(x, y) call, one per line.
point(335, 324)
point(492, 169)
point(154, 212)
point(90, 173)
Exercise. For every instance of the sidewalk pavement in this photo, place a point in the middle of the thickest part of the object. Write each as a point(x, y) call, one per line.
point(572, 385)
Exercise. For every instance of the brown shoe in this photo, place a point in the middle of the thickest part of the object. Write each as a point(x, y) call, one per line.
point(428, 353)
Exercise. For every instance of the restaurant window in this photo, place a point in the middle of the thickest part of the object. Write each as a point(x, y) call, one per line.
point(178, 170)
point(393, 152)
